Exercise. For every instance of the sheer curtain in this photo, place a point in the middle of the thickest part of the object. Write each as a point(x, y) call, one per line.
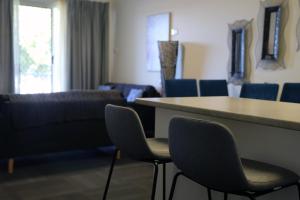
point(16, 66)
point(6, 47)
point(60, 68)
point(87, 43)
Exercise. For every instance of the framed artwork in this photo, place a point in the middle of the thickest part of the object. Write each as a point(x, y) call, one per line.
point(158, 29)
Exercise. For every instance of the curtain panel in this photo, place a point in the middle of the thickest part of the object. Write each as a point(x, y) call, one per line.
point(87, 43)
point(6, 47)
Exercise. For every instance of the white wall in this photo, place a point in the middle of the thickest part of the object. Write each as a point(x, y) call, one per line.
point(203, 27)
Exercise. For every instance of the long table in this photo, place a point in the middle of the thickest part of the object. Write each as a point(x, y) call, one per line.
point(264, 130)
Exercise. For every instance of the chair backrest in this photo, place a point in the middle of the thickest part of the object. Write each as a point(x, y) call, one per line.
point(181, 88)
point(126, 132)
point(213, 88)
point(291, 93)
point(263, 91)
point(206, 153)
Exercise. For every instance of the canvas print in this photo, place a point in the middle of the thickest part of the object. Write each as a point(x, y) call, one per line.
point(158, 29)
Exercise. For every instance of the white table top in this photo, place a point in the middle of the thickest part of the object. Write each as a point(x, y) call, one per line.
point(277, 114)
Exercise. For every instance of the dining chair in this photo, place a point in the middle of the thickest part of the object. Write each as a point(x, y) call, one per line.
point(291, 93)
point(181, 88)
point(213, 88)
point(262, 91)
point(127, 134)
point(206, 153)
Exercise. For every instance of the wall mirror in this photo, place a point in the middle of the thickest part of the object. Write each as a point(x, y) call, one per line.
point(239, 40)
point(271, 33)
point(272, 20)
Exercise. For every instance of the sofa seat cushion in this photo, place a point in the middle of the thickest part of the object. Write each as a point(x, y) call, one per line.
point(36, 110)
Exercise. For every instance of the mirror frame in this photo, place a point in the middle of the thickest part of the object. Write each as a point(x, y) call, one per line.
point(264, 58)
point(239, 59)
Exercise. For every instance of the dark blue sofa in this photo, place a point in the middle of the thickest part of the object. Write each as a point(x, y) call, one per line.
point(47, 123)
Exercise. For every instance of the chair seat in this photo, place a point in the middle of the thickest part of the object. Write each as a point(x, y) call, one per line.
point(264, 177)
point(160, 149)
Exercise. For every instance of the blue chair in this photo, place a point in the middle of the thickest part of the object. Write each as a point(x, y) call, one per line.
point(181, 88)
point(213, 88)
point(291, 93)
point(261, 91)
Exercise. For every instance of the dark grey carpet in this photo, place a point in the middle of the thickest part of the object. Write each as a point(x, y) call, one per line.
point(75, 176)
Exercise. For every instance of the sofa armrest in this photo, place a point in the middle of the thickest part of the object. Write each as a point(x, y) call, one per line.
point(147, 116)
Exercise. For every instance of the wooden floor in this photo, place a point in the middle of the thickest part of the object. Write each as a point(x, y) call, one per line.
point(75, 176)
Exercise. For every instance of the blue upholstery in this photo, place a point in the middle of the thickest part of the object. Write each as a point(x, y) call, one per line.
point(105, 87)
point(181, 88)
point(124, 88)
point(291, 93)
point(261, 91)
point(213, 88)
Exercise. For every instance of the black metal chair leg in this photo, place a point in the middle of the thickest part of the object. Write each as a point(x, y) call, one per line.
point(298, 187)
point(251, 197)
point(164, 181)
point(154, 181)
point(209, 194)
point(110, 174)
point(225, 196)
point(174, 185)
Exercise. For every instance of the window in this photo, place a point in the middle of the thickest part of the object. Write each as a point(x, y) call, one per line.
point(35, 30)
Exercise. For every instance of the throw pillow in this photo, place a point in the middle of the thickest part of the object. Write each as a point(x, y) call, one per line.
point(105, 87)
point(133, 94)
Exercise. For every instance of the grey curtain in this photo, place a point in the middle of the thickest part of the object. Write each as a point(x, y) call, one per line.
point(6, 47)
point(87, 44)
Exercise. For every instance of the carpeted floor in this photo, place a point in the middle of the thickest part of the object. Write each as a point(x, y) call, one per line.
point(75, 176)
